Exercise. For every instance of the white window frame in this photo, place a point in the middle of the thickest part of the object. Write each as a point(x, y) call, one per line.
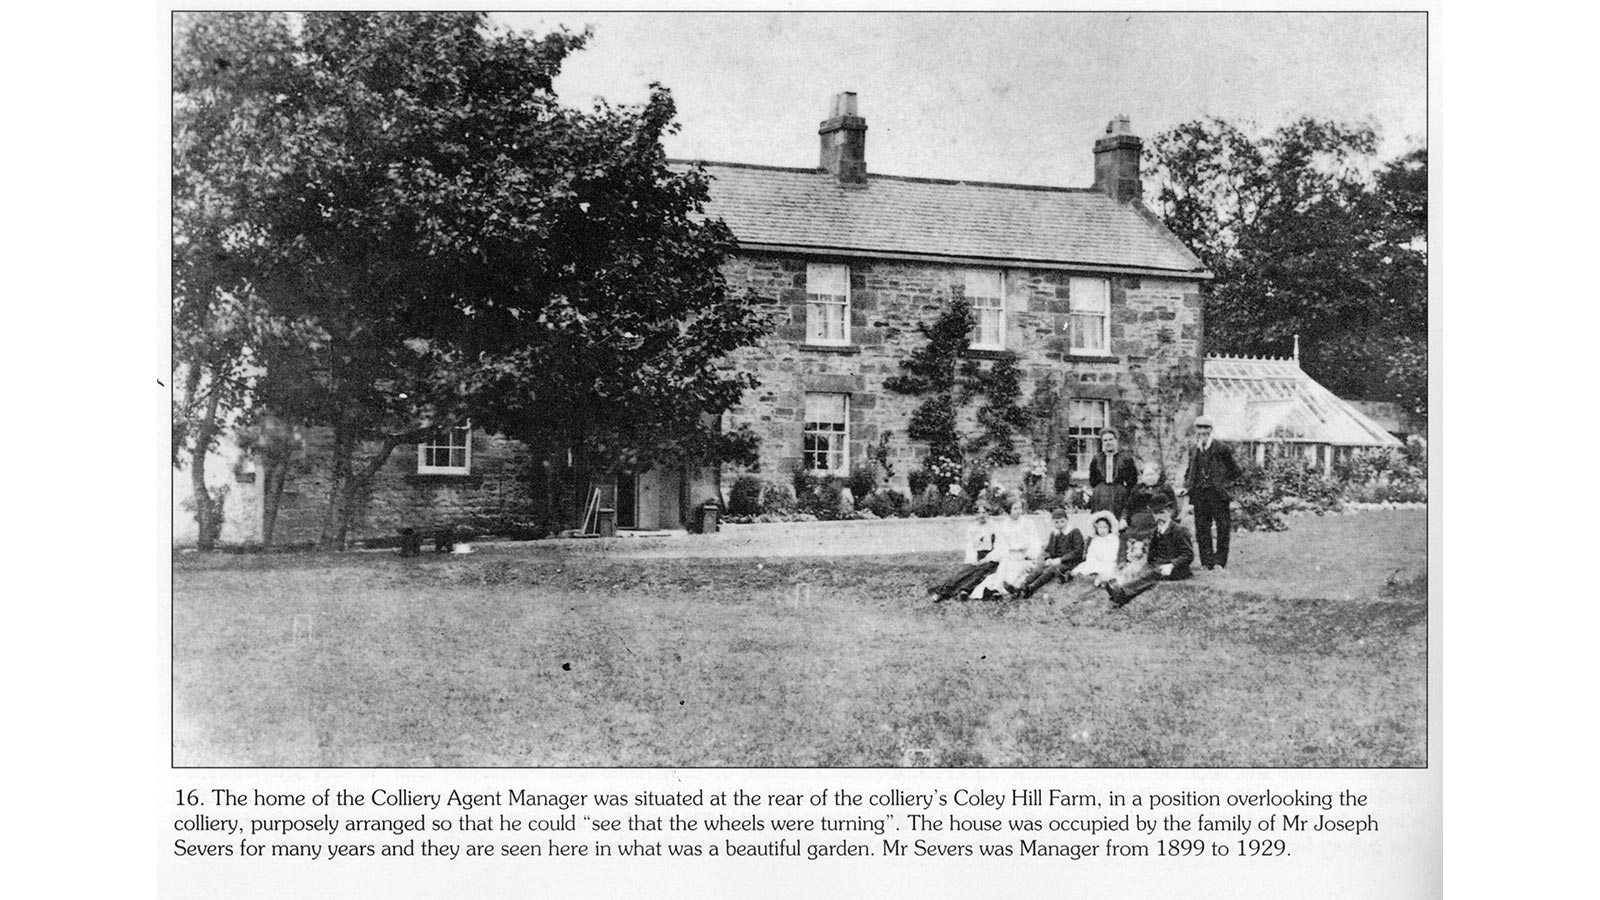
point(1087, 420)
point(823, 284)
point(992, 307)
point(835, 431)
point(448, 445)
point(1088, 298)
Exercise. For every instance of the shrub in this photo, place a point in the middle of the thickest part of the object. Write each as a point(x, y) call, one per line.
point(976, 483)
point(1038, 499)
point(955, 505)
point(775, 498)
point(919, 481)
point(925, 507)
point(886, 504)
point(1063, 482)
point(863, 481)
point(744, 499)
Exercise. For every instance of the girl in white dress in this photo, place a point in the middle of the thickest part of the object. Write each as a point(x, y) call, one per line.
point(1100, 562)
point(1017, 549)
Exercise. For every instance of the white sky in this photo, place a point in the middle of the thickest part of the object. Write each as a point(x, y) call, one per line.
point(1016, 97)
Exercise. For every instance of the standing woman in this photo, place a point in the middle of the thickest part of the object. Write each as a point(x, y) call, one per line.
point(1209, 484)
point(1112, 474)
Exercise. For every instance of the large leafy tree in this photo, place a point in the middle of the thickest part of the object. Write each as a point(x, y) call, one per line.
point(1309, 233)
point(427, 235)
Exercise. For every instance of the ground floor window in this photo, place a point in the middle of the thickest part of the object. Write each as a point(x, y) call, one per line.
point(1086, 419)
point(447, 453)
point(827, 432)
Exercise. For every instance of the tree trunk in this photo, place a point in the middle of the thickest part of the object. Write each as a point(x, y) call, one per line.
point(274, 472)
point(356, 483)
point(333, 519)
point(206, 514)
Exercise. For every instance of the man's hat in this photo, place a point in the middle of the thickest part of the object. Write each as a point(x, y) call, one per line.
point(1159, 503)
point(1203, 421)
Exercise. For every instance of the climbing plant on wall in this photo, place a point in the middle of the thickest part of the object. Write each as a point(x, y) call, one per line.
point(947, 379)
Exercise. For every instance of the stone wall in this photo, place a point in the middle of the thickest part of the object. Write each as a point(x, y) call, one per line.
point(1155, 330)
point(496, 489)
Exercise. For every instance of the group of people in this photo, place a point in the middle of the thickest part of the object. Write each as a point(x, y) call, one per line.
point(1136, 541)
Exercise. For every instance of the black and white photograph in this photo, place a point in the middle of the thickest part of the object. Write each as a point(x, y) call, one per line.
point(800, 390)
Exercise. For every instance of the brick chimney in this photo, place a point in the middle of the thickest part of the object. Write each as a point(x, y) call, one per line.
point(844, 141)
point(1116, 162)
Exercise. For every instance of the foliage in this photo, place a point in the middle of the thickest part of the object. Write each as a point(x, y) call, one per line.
point(1001, 416)
point(919, 481)
point(1385, 476)
point(424, 234)
point(886, 504)
point(863, 480)
point(1171, 388)
point(1039, 499)
point(1308, 233)
point(1287, 483)
point(744, 498)
point(933, 372)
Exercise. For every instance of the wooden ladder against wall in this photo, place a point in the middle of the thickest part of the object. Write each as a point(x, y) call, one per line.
point(591, 511)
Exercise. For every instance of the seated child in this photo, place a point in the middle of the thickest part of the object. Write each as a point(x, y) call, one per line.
point(1100, 560)
point(979, 542)
point(1016, 550)
point(1063, 551)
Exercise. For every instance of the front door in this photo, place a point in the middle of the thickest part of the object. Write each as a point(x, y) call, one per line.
point(627, 501)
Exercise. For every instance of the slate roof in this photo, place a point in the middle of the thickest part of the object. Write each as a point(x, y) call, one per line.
point(1268, 399)
point(810, 209)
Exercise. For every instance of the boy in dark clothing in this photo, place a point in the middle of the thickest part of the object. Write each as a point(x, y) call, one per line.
point(1062, 552)
point(1170, 553)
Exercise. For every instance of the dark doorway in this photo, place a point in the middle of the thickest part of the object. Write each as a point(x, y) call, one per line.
point(627, 501)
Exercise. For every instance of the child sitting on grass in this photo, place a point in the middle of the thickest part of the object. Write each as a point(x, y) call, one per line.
point(979, 544)
point(1063, 551)
point(1100, 560)
point(1016, 550)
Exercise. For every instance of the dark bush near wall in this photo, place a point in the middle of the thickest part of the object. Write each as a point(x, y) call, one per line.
point(744, 498)
point(863, 481)
point(887, 504)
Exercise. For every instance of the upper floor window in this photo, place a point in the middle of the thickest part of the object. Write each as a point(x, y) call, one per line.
point(447, 453)
point(986, 294)
point(827, 303)
point(827, 433)
point(1090, 321)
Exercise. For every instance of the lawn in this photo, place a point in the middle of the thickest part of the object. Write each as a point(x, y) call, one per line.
point(1309, 651)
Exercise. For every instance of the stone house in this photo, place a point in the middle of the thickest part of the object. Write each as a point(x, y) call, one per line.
point(1093, 295)
point(1085, 286)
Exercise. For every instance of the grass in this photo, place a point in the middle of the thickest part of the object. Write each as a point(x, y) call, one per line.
point(1308, 651)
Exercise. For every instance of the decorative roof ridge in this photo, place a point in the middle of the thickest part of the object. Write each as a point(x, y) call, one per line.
point(1243, 358)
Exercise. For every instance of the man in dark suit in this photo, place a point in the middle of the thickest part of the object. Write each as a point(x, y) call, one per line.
point(1209, 485)
point(1168, 555)
point(1112, 474)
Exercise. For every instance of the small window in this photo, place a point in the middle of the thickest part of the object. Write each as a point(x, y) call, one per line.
point(827, 303)
point(986, 294)
point(827, 433)
point(1090, 321)
point(448, 453)
point(1086, 419)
